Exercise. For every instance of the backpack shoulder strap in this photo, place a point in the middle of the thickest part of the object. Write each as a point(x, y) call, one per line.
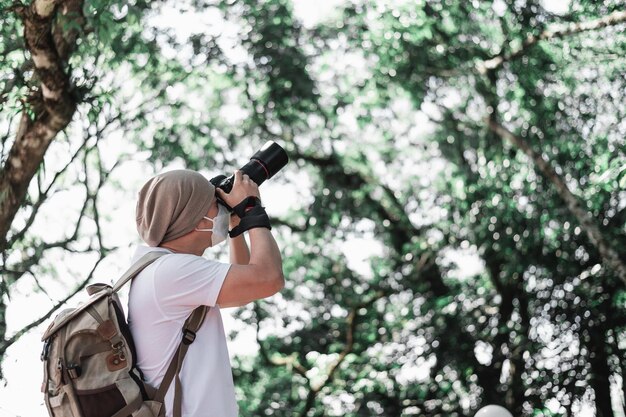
point(191, 326)
point(136, 268)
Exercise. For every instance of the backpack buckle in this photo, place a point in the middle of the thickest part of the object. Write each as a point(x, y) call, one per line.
point(118, 347)
point(74, 370)
point(188, 336)
point(46, 350)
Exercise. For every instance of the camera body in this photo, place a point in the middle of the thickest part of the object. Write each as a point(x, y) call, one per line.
point(262, 166)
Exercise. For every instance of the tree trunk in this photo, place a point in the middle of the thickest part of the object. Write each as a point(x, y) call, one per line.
point(47, 111)
point(517, 388)
point(3, 323)
point(600, 372)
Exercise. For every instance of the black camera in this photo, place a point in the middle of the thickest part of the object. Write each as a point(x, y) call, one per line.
point(270, 159)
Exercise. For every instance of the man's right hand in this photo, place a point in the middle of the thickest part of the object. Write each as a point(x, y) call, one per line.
point(243, 187)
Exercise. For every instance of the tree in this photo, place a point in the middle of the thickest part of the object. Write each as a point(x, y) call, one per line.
point(55, 55)
point(427, 134)
point(534, 266)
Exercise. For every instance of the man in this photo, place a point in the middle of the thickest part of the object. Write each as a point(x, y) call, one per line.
point(178, 214)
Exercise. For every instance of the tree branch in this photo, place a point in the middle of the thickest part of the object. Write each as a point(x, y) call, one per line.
point(290, 361)
point(5, 344)
point(43, 196)
point(68, 26)
point(387, 207)
point(351, 323)
point(551, 33)
point(586, 221)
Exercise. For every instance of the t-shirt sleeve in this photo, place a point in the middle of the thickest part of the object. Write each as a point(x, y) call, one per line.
point(188, 281)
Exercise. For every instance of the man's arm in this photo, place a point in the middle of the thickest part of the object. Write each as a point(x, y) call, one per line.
point(239, 252)
point(262, 276)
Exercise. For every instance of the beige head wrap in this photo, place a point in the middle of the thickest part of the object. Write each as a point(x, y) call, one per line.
point(172, 204)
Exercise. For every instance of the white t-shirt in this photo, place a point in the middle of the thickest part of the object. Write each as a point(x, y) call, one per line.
point(161, 298)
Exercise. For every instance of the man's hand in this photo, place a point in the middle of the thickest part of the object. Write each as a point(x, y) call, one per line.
point(243, 187)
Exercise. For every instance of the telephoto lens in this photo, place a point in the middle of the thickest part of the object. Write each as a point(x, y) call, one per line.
point(263, 165)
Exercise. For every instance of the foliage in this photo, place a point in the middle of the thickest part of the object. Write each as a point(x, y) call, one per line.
point(432, 268)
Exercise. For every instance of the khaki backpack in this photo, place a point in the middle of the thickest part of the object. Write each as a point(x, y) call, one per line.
point(90, 361)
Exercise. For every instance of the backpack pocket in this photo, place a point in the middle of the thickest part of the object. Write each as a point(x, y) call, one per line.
point(101, 402)
point(112, 399)
point(59, 405)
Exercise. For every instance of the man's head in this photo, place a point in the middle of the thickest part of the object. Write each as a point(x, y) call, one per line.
point(172, 204)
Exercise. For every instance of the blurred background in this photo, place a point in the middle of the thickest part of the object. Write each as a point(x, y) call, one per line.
point(452, 220)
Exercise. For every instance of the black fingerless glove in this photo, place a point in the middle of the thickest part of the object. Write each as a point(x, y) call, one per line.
point(252, 215)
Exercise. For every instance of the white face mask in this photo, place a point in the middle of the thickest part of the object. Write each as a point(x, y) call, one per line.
point(220, 226)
